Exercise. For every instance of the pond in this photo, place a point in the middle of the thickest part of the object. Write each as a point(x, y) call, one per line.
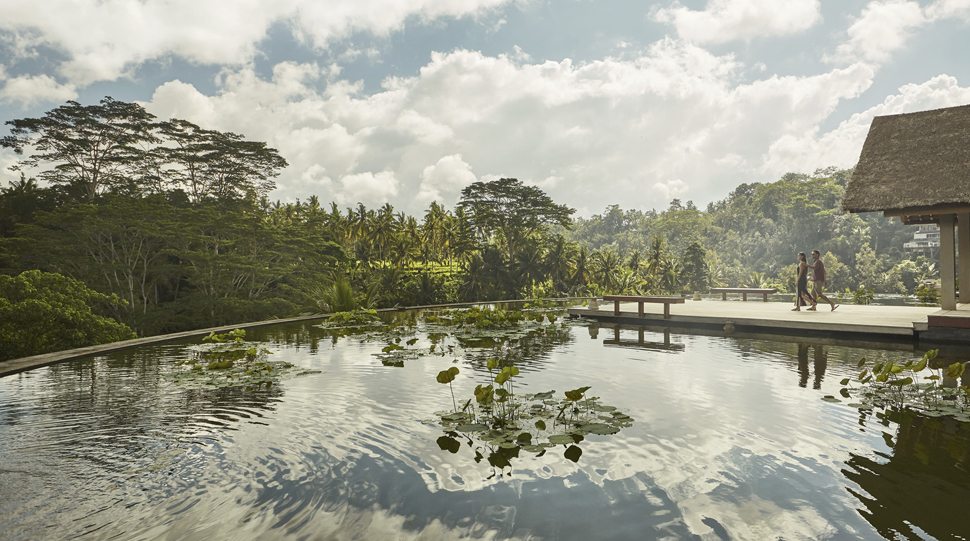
point(691, 437)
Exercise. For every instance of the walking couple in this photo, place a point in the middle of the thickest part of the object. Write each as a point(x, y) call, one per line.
point(803, 297)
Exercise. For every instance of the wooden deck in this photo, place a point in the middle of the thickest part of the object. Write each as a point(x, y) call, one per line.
point(878, 322)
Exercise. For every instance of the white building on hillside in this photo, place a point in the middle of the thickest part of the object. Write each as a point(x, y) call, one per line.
point(926, 241)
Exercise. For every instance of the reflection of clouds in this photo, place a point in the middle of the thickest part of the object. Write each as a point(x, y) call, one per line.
point(732, 440)
point(352, 496)
point(720, 445)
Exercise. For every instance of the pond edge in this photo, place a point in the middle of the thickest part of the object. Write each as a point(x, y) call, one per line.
point(23, 364)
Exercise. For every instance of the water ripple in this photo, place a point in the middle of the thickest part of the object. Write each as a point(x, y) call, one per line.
point(731, 440)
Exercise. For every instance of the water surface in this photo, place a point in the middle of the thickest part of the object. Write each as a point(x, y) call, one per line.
point(731, 440)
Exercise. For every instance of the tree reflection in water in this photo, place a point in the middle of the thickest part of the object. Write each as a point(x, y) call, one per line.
point(923, 486)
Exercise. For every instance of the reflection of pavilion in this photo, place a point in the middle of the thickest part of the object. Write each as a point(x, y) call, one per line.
point(924, 487)
point(916, 167)
point(641, 343)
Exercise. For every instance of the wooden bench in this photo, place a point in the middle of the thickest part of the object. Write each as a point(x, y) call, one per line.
point(743, 291)
point(667, 301)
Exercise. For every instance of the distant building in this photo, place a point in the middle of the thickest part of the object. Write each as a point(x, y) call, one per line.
point(926, 241)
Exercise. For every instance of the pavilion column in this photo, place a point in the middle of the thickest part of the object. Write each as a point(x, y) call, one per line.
point(947, 262)
point(963, 237)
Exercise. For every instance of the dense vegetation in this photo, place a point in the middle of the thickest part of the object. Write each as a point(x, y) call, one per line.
point(750, 239)
point(173, 220)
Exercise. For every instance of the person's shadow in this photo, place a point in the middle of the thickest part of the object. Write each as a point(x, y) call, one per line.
point(820, 362)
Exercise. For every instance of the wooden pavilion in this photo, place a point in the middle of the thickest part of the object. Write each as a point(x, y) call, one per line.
point(916, 167)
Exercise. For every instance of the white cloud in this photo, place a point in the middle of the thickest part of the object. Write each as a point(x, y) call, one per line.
point(670, 189)
point(842, 145)
point(949, 8)
point(444, 180)
point(722, 21)
point(104, 40)
point(7, 160)
point(881, 29)
point(591, 134)
point(322, 22)
point(372, 189)
point(27, 90)
point(885, 26)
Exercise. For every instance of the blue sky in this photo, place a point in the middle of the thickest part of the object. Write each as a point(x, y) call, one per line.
point(597, 102)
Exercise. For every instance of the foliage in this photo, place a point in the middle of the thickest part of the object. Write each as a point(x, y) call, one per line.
point(118, 146)
point(353, 318)
point(42, 312)
point(480, 318)
point(235, 336)
point(695, 275)
point(757, 229)
point(168, 216)
point(498, 424)
point(510, 209)
point(87, 149)
point(911, 385)
point(927, 293)
point(339, 297)
point(863, 295)
point(227, 360)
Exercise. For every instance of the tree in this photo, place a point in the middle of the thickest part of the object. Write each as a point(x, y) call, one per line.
point(42, 312)
point(86, 148)
point(511, 210)
point(213, 164)
point(658, 263)
point(694, 271)
point(20, 202)
point(607, 265)
point(867, 268)
point(119, 147)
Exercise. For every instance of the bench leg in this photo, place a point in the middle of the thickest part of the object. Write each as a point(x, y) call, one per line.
point(744, 296)
point(616, 308)
point(765, 297)
point(640, 308)
point(724, 295)
point(666, 310)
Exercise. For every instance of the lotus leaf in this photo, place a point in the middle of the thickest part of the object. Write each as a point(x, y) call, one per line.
point(573, 453)
point(447, 376)
point(576, 394)
point(447, 443)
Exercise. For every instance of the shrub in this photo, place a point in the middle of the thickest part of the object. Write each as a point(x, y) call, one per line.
point(42, 312)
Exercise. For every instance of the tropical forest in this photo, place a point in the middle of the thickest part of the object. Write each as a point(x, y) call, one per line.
point(122, 224)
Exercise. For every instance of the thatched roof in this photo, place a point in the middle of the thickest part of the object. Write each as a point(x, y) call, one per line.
point(913, 161)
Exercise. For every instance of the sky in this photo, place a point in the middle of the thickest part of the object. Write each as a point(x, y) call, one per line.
point(597, 102)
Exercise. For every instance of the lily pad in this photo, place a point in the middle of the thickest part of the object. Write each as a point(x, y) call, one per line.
point(601, 429)
point(447, 443)
point(573, 453)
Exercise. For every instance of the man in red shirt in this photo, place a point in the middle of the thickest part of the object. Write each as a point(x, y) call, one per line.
point(818, 279)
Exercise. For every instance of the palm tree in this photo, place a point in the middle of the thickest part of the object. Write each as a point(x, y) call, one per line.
point(629, 282)
point(529, 265)
point(580, 277)
point(559, 262)
point(607, 265)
